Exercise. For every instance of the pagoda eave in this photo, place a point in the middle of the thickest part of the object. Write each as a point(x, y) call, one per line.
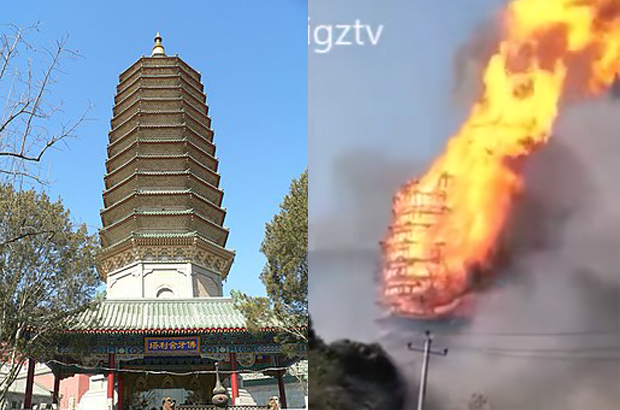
point(189, 247)
point(135, 143)
point(147, 199)
point(171, 162)
point(183, 180)
point(135, 67)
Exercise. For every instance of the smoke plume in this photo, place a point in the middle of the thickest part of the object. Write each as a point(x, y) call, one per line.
point(558, 296)
point(471, 58)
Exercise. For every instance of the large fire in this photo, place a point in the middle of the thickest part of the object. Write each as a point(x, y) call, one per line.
point(447, 224)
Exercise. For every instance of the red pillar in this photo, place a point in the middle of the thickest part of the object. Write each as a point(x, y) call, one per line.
point(56, 395)
point(281, 389)
point(234, 381)
point(29, 384)
point(111, 377)
point(119, 387)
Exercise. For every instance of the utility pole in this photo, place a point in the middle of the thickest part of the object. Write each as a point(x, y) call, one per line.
point(427, 354)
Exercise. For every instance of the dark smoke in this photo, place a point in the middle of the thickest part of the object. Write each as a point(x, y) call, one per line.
point(471, 58)
point(563, 276)
point(366, 180)
point(614, 92)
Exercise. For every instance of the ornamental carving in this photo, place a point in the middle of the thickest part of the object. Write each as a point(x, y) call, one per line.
point(128, 357)
point(140, 384)
point(165, 253)
point(218, 357)
point(167, 383)
point(91, 360)
point(246, 359)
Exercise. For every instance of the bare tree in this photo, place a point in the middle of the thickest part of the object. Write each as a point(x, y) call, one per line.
point(30, 116)
point(39, 273)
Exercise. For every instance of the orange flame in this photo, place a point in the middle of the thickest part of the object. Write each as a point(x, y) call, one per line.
point(448, 222)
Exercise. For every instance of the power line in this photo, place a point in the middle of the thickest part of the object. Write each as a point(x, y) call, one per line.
point(540, 350)
point(597, 352)
point(560, 358)
point(569, 354)
point(533, 334)
point(541, 356)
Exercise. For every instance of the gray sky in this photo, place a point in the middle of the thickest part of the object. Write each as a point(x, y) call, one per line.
point(389, 106)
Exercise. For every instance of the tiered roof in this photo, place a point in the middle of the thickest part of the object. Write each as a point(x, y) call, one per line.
point(162, 177)
point(195, 315)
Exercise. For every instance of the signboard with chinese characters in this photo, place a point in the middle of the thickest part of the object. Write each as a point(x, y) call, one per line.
point(172, 346)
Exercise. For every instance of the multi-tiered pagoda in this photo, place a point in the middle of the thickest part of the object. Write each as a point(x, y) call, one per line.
point(164, 323)
point(163, 223)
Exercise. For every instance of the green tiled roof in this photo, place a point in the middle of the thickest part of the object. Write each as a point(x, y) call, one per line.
point(161, 316)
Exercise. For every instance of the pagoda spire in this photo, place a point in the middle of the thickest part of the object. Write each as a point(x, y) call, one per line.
point(158, 48)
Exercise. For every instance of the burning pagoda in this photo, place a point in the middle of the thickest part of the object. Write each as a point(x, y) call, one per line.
point(447, 224)
point(414, 275)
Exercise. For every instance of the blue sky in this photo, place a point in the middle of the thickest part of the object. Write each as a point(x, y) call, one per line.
point(255, 72)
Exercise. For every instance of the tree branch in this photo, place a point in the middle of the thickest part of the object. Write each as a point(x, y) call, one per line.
point(24, 136)
point(26, 235)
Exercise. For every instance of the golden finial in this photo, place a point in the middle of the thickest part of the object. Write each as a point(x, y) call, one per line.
point(158, 48)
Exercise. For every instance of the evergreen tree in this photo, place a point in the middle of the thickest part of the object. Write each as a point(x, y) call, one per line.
point(285, 274)
point(47, 275)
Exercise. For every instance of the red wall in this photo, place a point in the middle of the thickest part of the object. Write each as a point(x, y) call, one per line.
point(74, 386)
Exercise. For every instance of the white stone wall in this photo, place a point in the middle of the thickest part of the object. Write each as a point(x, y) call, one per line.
point(206, 283)
point(96, 396)
point(169, 280)
point(172, 280)
point(125, 283)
